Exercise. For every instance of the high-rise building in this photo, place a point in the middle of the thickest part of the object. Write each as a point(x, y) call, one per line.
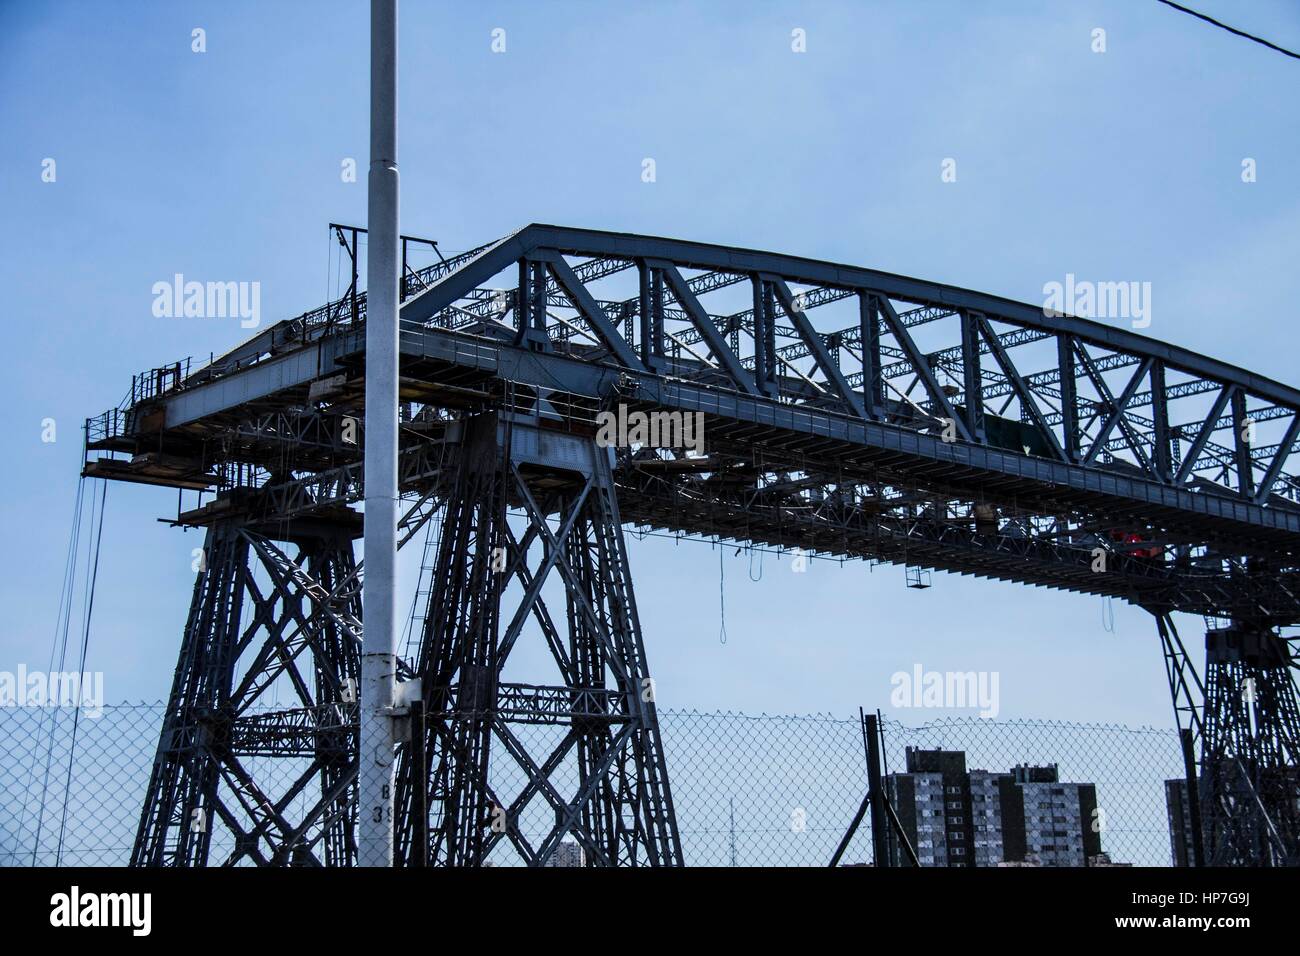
point(568, 853)
point(933, 801)
point(1026, 816)
point(996, 811)
point(1059, 817)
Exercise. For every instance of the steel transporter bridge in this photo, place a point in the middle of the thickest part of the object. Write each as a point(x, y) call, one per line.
point(846, 412)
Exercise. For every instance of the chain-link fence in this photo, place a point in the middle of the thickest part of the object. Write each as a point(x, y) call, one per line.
point(747, 790)
point(82, 813)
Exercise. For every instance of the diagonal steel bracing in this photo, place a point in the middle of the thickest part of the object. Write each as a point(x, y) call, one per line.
point(597, 777)
point(1244, 719)
point(239, 776)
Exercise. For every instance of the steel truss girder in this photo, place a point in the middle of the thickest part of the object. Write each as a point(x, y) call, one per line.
point(423, 461)
point(840, 517)
point(1055, 478)
point(420, 465)
point(606, 254)
point(831, 282)
point(210, 774)
point(489, 584)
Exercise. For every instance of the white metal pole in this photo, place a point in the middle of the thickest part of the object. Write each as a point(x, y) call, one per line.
point(379, 599)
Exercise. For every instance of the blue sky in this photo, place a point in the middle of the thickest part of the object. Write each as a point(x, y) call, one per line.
point(1123, 165)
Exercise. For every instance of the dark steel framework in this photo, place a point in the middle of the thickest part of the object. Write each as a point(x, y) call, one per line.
point(300, 628)
point(1247, 794)
point(603, 698)
point(914, 423)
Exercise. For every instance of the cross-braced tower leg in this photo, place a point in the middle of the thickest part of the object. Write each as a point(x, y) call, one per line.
point(1246, 719)
point(600, 777)
point(1250, 754)
point(238, 777)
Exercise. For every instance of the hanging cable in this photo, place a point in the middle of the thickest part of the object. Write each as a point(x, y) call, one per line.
point(1233, 30)
point(1107, 614)
point(60, 637)
point(751, 565)
point(92, 553)
point(722, 596)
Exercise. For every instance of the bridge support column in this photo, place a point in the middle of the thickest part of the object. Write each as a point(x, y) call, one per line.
point(239, 776)
point(570, 764)
point(1246, 718)
point(1250, 751)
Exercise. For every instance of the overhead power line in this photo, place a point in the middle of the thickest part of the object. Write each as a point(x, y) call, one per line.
point(1233, 30)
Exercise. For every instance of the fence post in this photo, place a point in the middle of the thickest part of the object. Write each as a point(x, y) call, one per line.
point(879, 823)
point(1193, 797)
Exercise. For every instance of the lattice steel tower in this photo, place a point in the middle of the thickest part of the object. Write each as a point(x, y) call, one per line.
point(1250, 782)
point(278, 780)
point(601, 698)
